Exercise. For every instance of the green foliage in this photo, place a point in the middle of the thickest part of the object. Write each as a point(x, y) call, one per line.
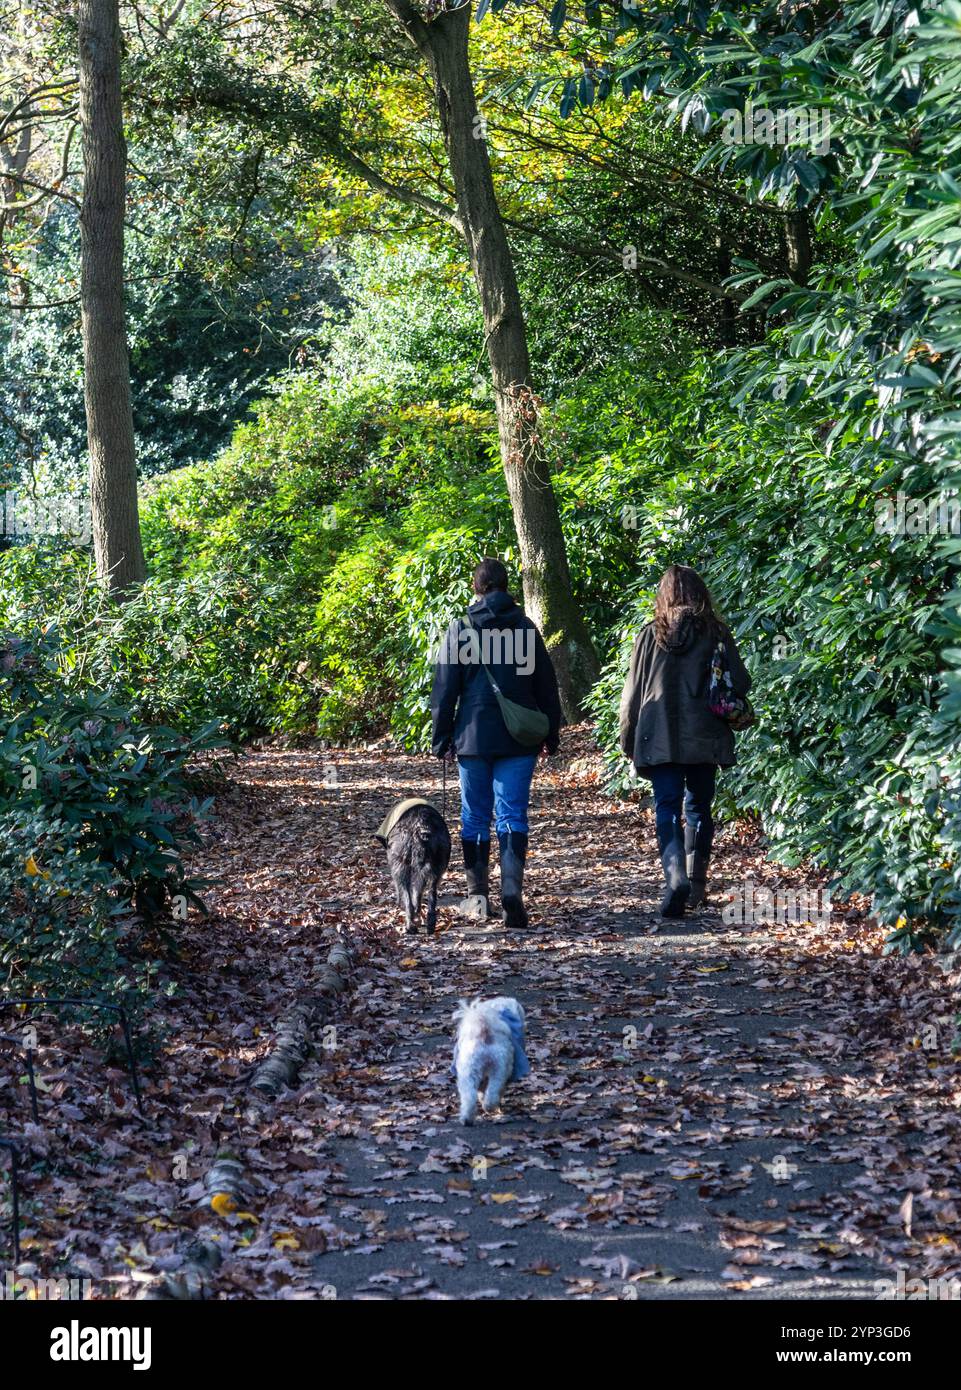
point(210, 320)
point(869, 353)
point(850, 764)
point(410, 318)
point(96, 812)
point(58, 928)
point(333, 514)
point(181, 652)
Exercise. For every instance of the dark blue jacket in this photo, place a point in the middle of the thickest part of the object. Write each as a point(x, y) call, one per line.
point(465, 711)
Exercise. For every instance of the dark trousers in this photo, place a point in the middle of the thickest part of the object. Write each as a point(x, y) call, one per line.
point(687, 786)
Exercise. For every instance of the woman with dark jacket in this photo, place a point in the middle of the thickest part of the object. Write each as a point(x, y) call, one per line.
point(493, 644)
point(671, 736)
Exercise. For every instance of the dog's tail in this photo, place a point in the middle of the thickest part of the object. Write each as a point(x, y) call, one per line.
point(463, 1005)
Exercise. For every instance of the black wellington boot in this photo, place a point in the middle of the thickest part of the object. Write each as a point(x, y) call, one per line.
point(513, 855)
point(477, 904)
point(677, 886)
point(697, 846)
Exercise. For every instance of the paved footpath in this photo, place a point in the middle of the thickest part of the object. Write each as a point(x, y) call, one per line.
point(712, 1112)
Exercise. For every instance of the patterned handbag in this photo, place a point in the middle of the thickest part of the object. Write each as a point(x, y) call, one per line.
point(735, 710)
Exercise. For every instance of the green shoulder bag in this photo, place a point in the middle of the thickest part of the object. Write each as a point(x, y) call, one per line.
point(527, 726)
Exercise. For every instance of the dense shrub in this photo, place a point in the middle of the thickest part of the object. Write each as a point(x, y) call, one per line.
point(182, 652)
point(95, 813)
point(203, 343)
point(341, 520)
point(859, 754)
point(850, 764)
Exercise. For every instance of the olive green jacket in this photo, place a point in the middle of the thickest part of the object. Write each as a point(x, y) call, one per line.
point(664, 716)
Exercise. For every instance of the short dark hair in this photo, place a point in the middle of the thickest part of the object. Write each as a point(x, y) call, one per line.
point(490, 575)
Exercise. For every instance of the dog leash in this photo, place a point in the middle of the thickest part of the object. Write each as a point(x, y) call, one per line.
point(445, 789)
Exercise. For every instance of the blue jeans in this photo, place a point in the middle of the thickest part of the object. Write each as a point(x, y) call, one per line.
point(669, 781)
point(495, 787)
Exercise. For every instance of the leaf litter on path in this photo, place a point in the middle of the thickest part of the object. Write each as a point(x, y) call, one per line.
point(712, 1111)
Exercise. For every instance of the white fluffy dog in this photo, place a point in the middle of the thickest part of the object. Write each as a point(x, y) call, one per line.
point(488, 1051)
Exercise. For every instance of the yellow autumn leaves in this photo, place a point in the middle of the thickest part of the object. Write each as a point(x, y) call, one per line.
point(224, 1205)
point(34, 871)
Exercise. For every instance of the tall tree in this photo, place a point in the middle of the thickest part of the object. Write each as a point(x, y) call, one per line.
point(443, 43)
point(113, 468)
point(440, 168)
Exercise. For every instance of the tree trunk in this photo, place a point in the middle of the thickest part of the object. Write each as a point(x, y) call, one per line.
point(797, 244)
point(113, 469)
point(18, 301)
point(728, 329)
point(548, 594)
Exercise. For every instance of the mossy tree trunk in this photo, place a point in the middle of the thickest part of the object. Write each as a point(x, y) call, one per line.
point(548, 592)
point(113, 470)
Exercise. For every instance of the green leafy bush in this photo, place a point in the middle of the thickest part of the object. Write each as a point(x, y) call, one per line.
point(342, 521)
point(856, 761)
point(96, 811)
point(850, 764)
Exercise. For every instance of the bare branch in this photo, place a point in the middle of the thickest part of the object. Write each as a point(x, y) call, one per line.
point(616, 253)
point(400, 192)
point(46, 191)
point(48, 89)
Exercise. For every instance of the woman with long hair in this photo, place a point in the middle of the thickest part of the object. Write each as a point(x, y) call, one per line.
point(672, 736)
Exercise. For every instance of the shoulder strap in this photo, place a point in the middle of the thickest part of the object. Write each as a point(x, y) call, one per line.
point(480, 658)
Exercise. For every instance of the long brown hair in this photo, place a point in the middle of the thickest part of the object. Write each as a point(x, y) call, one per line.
point(682, 594)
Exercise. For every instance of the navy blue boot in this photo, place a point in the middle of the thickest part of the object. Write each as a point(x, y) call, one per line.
point(677, 885)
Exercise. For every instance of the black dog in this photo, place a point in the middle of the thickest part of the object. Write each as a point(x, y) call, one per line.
point(418, 852)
